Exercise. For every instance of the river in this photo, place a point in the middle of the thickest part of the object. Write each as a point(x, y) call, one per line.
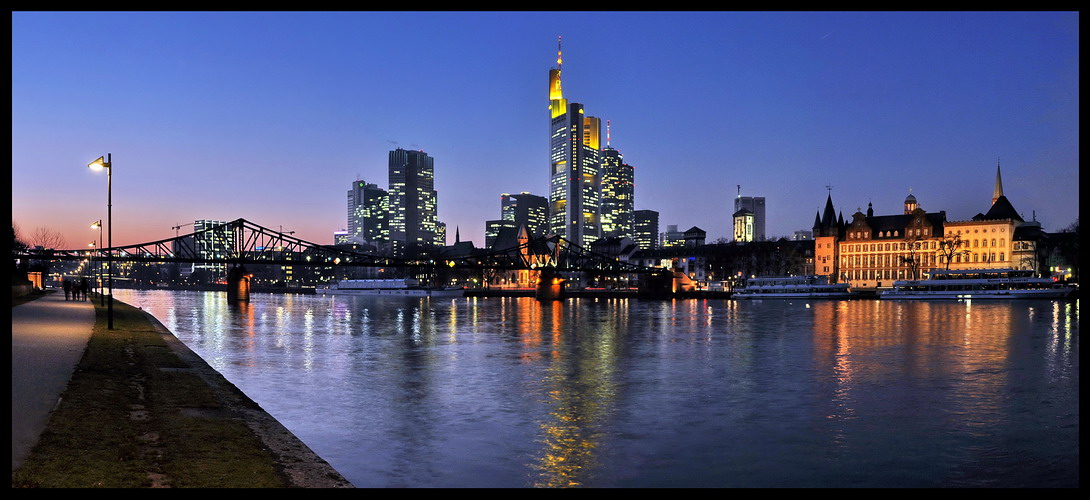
point(512, 392)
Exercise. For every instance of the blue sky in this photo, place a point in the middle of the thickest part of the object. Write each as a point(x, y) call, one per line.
point(271, 116)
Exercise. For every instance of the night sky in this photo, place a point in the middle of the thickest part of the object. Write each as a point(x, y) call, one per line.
point(271, 116)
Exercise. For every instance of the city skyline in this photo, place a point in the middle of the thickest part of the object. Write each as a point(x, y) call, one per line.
point(267, 116)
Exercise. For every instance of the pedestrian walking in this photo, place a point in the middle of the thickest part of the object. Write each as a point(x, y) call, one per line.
point(84, 288)
point(67, 285)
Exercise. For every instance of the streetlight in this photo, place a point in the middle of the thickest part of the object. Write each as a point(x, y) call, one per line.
point(101, 296)
point(99, 164)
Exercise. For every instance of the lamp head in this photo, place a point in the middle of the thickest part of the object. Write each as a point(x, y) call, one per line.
point(96, 224)
point(99, 164)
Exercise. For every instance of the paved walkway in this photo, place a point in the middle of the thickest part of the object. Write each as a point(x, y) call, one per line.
point(48, 337)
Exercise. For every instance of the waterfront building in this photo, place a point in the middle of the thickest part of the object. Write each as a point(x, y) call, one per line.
point(645, 228)
point(525, 209)
point(998, 238)
point(618, 190)
point(756, 206)
point(873, 251)
point(574, 164)
point(743, 226)
point(211, 239)
point(413, 216)
point(368, 213)
point(828, 231)
point(340, 237)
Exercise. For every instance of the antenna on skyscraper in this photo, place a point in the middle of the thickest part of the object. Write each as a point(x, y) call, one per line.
point(559, 59)
point(607, 133)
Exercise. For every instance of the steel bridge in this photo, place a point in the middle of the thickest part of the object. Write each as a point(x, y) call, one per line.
point(241, 243)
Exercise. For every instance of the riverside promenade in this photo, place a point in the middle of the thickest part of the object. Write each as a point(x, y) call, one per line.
point(49, 338)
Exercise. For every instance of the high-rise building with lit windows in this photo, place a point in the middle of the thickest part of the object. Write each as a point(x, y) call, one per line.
point(413, 215)
point(368, 211)
point(574, 177)
point(646, 229)
point(525, 209)
point(617, 194)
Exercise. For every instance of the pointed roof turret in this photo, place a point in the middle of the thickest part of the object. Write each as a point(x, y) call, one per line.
point(997, 193)
point(828, 218)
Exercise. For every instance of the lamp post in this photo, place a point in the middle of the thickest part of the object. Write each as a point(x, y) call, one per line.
point(99, 164)
point(101, 296)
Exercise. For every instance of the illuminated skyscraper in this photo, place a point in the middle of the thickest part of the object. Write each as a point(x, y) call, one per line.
point(368, 212)
point(413, 200)
point(525, 209)
point(617, 193)
point(575, 182)
point(646, 229)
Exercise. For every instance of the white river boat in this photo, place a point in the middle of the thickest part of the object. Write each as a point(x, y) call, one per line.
point(979, 284)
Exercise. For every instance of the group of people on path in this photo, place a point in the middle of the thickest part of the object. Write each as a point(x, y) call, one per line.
point(76, 289)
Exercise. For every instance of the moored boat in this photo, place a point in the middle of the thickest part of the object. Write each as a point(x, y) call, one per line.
point(792, 287)
point(399, 287)
point(979, 284)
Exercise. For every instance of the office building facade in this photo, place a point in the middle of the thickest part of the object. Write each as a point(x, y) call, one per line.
point(618, 190)
point(368, 214)
point(645, 229)
point(525, 209)
point(574, 177)
point(413, 210)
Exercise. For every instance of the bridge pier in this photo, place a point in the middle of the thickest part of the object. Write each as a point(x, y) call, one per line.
point(550, 286)
point(657, 285)
point(238, 285)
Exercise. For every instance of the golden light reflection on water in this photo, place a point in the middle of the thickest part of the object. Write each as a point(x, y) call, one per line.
point(579, 386)
point(868, 343)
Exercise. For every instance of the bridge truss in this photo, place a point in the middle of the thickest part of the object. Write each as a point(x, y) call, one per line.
point(241, 242)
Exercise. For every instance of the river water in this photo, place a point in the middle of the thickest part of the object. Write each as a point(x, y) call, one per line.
point(511, 392)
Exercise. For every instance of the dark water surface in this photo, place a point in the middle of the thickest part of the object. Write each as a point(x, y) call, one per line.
point(510, 392)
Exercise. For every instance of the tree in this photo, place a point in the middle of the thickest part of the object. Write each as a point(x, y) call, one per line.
point(950, 246)
point(47, 238)
point(913, 259)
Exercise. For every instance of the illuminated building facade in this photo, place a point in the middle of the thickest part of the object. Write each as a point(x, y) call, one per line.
point(873, 251)
point(413, 216)
point(525, 209)
point(618, 192)
point(743, 226)
point(756, 206)
point(671, 237)
point(574, 177)
point(213, 244)
point(368, 214)
point(645, 229)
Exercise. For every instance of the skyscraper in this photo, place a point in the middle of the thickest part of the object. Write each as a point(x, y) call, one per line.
point(413, 200)
point(574, 178)
point(756, 205)
point(368, 211)
point(617, 193)
point(646, 229)
point(525, 209)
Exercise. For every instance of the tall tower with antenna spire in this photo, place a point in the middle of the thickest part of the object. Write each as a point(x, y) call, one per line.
point(618, 190)
point(574, 170)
